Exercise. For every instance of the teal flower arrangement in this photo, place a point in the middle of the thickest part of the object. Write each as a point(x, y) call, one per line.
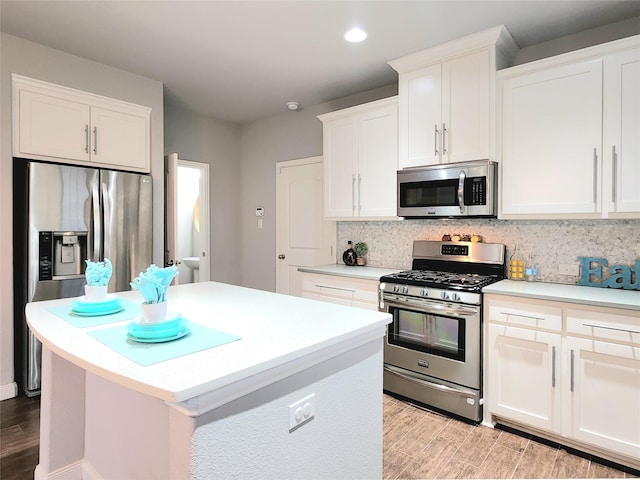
point(153, 283)
point(98, 274)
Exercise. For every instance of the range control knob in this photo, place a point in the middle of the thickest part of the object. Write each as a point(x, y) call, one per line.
point(455, 296)
point(444, 296)
point(405, 289)
point(395, 289)
point(424, 292)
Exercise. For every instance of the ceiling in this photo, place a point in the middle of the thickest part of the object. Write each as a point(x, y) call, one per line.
point(240, 61)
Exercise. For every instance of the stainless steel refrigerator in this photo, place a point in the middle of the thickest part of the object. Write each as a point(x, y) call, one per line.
point(64, 215)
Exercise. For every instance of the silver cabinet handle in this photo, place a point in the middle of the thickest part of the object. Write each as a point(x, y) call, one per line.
point(359, 188)
point(444, 139)
point(508, 314)
point(595, 175)
point(95, 140)
point(553, 366)
point(610, 328)
point(336, 288)
point(461, 179)
point(435, 140)
point(572, 371)
point(353, 194)
point(86, 138)
point(614, 174)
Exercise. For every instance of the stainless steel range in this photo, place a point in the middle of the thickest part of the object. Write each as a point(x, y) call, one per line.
point(433, 349)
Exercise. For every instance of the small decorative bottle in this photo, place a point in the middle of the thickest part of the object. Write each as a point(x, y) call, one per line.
point(349, 257)
point(516, 266)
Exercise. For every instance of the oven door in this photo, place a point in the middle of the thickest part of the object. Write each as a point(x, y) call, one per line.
point(433, 338)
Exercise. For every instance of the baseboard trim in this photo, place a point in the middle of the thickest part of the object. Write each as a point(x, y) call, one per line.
point(8, 390)
point(73, 471)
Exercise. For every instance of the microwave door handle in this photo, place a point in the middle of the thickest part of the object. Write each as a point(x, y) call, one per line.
point(461, 180)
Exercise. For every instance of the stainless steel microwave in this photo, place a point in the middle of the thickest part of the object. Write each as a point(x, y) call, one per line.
point(465, 189)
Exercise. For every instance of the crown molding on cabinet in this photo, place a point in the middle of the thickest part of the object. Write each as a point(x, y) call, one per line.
point(497, 36)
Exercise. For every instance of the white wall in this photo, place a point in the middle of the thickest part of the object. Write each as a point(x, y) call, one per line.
point(204, 139)
point(43, 63)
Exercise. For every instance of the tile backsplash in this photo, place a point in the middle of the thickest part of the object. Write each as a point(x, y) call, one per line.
point(545, 243)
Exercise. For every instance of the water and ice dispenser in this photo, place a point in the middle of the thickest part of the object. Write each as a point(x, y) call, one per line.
point(61, 255)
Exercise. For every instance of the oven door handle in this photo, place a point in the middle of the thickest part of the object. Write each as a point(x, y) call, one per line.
point(437, 386)
point(459, 311)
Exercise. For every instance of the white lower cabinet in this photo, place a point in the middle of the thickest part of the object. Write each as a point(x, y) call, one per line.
point(523, 360)
point(579, 383)
point(353, 292)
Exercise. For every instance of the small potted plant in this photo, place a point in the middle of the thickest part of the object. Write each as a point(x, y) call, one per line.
point(361, 250)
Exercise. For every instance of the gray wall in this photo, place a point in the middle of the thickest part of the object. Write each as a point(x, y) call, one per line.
point(204, 139)
point(595, 36)
point(43, 63)
point(288, 136)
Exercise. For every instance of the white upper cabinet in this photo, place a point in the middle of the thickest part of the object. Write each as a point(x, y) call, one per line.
point(622, 133)
point(62, 124)
point(551, 140)
point(360, 161)
point(570, 130)
point(446, 98)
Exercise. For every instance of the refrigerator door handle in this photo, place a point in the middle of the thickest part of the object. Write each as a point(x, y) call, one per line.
point(106, 216)
point(96, 223)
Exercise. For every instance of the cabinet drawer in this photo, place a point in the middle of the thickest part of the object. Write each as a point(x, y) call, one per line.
point(342, 290)
point(523, 312)
point(606, 324)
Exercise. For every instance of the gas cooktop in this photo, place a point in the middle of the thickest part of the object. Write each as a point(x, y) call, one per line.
point(471, 282)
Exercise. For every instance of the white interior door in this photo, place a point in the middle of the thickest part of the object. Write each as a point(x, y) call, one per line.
point(303, 236)
point(188, 222)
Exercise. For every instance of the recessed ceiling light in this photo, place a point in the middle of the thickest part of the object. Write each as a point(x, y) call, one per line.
point(355, 35)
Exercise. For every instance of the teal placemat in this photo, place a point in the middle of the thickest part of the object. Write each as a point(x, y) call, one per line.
point(131, 310)
point(200, 338)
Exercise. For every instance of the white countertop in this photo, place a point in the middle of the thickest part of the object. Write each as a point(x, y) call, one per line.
point(280, 335)
point(364, 272)
point(605, 297)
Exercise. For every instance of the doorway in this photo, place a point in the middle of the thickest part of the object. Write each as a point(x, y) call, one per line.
point(188, 232)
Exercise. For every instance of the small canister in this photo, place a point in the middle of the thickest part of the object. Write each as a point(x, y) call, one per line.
point(516, 269)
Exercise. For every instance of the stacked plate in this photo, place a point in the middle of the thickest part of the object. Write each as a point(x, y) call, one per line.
point(93, 308)
point(173, 328)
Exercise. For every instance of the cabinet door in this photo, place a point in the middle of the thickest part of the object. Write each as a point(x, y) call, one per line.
point(378, 162)
point(465, 108)
point(420, 119)
point(120, 138)
point(604, 383)
point(52, 127)
point(340, 166)
point(354, 292)
point(552, 137)
point(524, 382)
point(622, 132)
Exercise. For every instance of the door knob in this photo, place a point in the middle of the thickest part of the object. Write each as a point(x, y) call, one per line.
point(281, 256)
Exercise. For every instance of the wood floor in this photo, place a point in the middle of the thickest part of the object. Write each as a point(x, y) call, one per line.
point(19, 437)
point(418, 443)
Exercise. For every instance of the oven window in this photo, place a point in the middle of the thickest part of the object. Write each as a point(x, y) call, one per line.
point(434, 334)
point(433, 193)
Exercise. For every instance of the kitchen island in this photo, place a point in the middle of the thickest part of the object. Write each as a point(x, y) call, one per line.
point(297, 395)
